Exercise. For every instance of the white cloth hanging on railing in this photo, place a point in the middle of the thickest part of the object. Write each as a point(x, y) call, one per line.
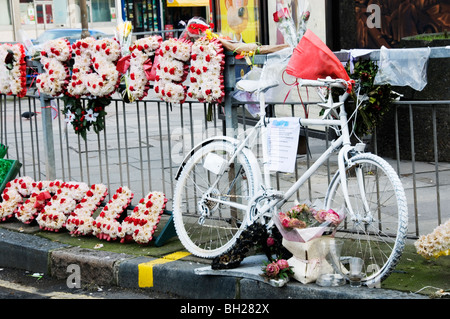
point(403, 67)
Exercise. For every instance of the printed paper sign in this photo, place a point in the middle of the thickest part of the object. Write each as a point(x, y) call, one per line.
point(282, 138)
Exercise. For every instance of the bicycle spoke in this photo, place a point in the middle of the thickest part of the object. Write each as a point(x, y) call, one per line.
point(374, 235)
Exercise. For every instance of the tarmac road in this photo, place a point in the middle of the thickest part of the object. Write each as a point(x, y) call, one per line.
point(22, 284)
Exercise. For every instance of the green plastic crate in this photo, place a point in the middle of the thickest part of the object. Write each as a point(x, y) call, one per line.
point(3, 150)
point(12, 172)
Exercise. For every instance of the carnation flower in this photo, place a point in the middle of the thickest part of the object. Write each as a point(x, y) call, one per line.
point(272, 270)
point(282, 264)
point(327, 216)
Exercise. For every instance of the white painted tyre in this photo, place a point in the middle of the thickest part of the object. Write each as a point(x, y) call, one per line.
point(378, 233)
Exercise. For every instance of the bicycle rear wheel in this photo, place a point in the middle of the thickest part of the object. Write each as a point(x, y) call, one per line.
point(378, 230)
point(205, 227)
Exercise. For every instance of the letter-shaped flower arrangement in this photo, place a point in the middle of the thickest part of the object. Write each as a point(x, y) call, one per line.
point(94, 74)
point(172, 70)
point(142, 223)
point(137, 67)
point(56, 205)
point(66, 195)
point(206, 71)
point(55, 56)
point(108, 224)
point(13, 69)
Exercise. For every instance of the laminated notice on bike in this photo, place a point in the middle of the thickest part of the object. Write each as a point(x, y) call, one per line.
point(282, 142)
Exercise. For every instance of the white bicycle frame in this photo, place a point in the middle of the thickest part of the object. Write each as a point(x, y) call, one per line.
point(343, 142)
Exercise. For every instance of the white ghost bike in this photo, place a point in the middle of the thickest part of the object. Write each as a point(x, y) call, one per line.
point(221, 189)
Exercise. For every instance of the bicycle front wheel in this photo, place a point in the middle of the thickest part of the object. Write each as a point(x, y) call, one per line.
point(376, 230)
point(210, 200)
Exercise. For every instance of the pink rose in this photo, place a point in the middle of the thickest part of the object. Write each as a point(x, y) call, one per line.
point(272, 270)
point(284, 220)
point(332, 217)
point(320, 216)
point(282, 264)
point(270, 241)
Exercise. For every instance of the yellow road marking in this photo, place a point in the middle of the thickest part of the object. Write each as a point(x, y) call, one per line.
point(146, 269)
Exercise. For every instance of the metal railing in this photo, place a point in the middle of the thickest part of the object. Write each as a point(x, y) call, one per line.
point(143, 144)
point(425, 175)
point(136, 148)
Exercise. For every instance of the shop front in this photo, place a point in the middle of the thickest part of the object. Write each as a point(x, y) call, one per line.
point(145, 15)
point(35, 16)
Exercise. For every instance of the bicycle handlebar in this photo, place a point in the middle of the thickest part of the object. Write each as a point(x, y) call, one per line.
point(336, 83)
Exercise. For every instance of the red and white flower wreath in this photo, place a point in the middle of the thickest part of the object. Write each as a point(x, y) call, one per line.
point(56, 205)
point(13, 71)
point(206, 71)
point(55, 56)
point(137, 67)
point(172, 70)
point(105, 79)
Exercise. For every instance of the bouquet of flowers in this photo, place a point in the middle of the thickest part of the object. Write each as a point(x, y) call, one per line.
point(292, 31)
point(277, 270)
point(123, 34)
point(303, 222)
point(303, 228)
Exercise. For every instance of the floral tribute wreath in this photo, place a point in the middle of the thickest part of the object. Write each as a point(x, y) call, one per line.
point(55, 56)
point(206, 71)
point(81, 67)
point(57, 205)
point(94, 74)
point(105, 78)
point(142, 223)
point(13, 70)
point(137, 67)
point(172, 70)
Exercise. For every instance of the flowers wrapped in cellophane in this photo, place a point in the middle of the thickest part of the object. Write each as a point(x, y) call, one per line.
point(305, 222)
point(292, 27)
point(123, 35)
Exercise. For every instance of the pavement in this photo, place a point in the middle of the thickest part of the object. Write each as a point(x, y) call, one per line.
point(167, 268)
